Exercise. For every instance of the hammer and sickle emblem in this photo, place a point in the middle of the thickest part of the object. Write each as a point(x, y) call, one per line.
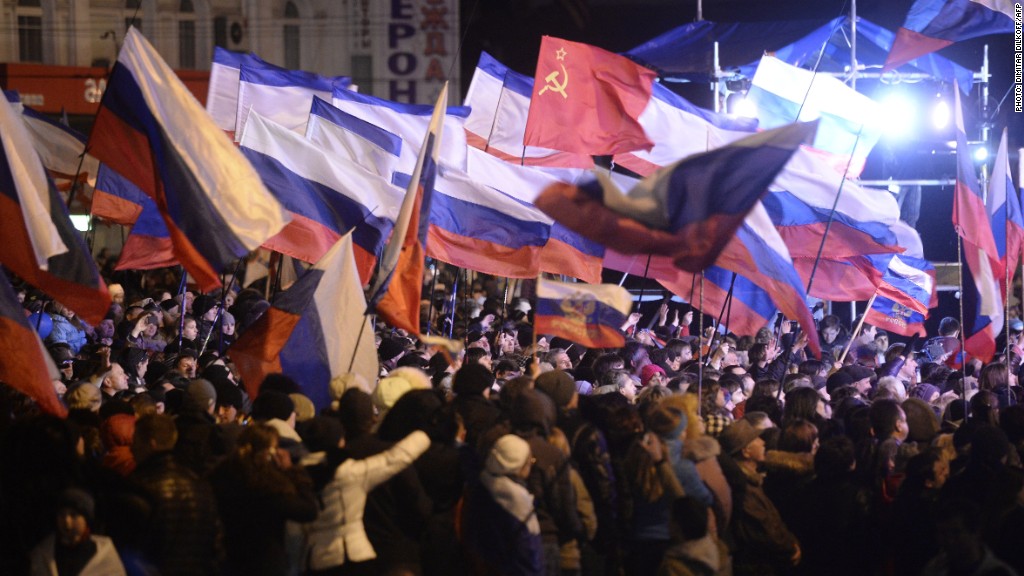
point(551, 83)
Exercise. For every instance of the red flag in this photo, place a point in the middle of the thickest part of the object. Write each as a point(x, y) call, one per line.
point(587, 100)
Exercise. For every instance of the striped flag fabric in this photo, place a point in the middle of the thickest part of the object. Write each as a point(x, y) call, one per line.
point(983, 307)
point(116, 199)
point(934, 24)
point(499, 100)
point(590, 315)
point(680, 129)
point(1004, 212)
point(60, 148)
point(399, 285)
point(782, 92)
point(40, 243)
point(339, 132)
point(27, 367)
point(326, 195)
point(679, 211)
point(152, 131)
point(281, 96)
point(222, 95)
point(409, 122)
point(314, 332)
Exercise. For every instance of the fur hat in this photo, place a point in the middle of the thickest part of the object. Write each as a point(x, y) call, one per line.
point(921, 420)
point(398, 382)
point(472, 380)
point(270, 405)
point(508, 455)
point(558, 385)
point(738, 436)
point(304, 408)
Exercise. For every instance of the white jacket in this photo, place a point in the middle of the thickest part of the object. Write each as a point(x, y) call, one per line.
point(339, 527)
point(105, 562)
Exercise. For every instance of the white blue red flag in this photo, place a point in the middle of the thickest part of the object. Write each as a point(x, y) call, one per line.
point(934, 24)
point(152, 131)
point(326, 195)
point(590, 315)
point(39, 242)
point(1005, 214)
point(680, 129)
point(61, 149)
point(315, 331)
point(983, 306)
point(848, 126)
point(222, 95)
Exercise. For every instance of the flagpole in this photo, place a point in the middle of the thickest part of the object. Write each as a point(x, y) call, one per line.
point(181, 316)
point(700, 347)
point(860, 325)
point(454, 303)
point(359, 338)
point(963, 344)
point(725, 303)
point(832, 213)
point(430, 306)
point(78, 174)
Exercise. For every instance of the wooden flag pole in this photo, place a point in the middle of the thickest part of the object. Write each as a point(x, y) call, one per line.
point(856, 331)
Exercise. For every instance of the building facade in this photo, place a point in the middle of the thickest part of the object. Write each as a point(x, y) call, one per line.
point(397, 49)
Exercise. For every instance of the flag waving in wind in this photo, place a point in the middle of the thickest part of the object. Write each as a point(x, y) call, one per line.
point(587, 100)
point(935, 24)
point(27, 366)
point(152, 131)
point(396, 295)
point(1004, 212)
point(689, 210)
point(587, 314)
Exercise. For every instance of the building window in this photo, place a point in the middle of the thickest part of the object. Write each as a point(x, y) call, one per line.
point(30, 31)
point(292, 52)
point(187, 35)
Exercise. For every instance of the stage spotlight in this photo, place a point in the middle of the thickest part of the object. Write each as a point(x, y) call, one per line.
point(897, 118)
point(80, 222)
point(940, 114)
point(745, 108)
point(981, 154)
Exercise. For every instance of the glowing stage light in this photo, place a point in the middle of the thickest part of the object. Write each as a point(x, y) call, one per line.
point(940, 114)
point(981, 154)
point(745, 108)
point(898, 115)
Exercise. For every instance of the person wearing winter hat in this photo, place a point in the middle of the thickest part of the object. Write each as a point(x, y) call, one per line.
point(502, 532)
point(398, 382)
point(277, 410)
point(560, 387)
point(928, 392)
point(472, 387)
point(764, 545)
point(652, 374)
point(73, 549)
point(390, 352)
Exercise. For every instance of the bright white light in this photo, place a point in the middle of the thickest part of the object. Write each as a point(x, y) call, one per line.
point(897, 118)
point(981, 154)
point(80, 222)
point(940, 115)
point(745, 108)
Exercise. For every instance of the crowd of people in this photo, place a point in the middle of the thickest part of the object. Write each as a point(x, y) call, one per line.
point(681, 453)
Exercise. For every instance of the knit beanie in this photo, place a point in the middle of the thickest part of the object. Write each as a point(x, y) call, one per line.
point(270, 405)
point(648, 372)
point(472, 380)
point(508, 455)
point(78, 500)
point(200, 395)
point(558, 385)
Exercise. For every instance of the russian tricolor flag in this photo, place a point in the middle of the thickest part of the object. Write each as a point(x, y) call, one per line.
point(281, 96)
point(60, 148)
point(500, 102)
point(325, 194)
point(935, 24)
point(152, 131)
point(983, 306)
point(116, 199)
point(148, 244)
point(591, 315)
point(409, 122)
point(784, 93)
point(39, 242)
point(1005, 214)
point(27, 366)
point(680, 129)
point(314, 332)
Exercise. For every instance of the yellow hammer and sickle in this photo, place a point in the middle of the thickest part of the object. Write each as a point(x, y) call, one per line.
point(551, 83)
